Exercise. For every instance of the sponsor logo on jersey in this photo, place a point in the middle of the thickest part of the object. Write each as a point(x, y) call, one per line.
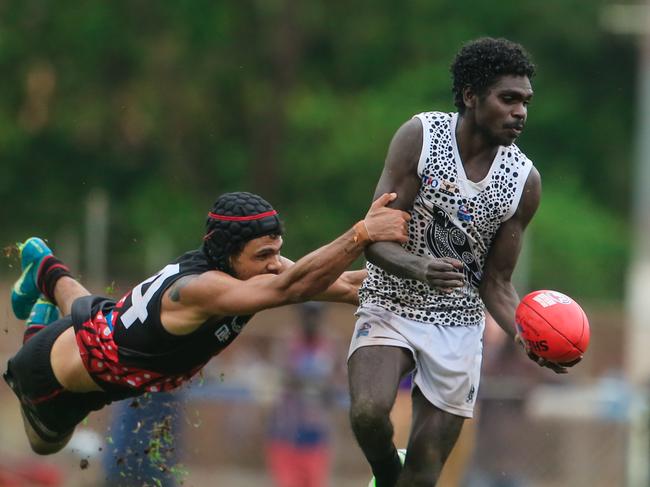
point(430, 181)
point(464, 214)
point(223, 333)
point(364, 330)
point(448, 188)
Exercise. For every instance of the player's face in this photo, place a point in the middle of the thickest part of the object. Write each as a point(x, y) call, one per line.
point(501, 112)
point(259, 256)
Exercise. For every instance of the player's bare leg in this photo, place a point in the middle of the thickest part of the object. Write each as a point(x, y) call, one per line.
point(66, 291)
point(434, 433)
point(371, 403)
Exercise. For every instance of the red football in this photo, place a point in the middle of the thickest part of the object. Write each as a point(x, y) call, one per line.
point(554, 326)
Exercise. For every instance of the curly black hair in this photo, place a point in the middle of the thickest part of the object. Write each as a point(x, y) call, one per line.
point(481, 62)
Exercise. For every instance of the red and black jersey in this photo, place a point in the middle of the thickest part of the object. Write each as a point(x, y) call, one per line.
point(124, 344)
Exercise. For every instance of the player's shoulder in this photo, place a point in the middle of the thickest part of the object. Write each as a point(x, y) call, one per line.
point(531, 194)
point(434, 117)
point(423, 121)
point(534, 179)
point(532, 176)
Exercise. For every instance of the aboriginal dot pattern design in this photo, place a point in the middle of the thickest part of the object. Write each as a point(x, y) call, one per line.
point(451, 217)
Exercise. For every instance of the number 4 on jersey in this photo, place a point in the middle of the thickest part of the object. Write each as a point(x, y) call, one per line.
point(138, 310)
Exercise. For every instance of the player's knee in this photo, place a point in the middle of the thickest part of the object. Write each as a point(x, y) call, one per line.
point(369, 413)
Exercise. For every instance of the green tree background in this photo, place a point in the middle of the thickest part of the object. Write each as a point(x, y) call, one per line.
point(165, 105)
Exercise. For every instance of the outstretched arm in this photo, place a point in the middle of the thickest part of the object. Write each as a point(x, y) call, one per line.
point(400, 176)
point(218, 294)
point(344, 290)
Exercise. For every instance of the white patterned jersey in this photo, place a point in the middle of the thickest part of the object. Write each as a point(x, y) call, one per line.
point(451, 217)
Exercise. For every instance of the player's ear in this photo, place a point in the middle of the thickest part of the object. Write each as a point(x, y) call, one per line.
point(469, 97)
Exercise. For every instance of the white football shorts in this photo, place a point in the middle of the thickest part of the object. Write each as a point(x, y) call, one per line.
point(447, 358)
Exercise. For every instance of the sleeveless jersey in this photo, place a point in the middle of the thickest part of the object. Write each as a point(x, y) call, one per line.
point(451, 217)
point(124, 344)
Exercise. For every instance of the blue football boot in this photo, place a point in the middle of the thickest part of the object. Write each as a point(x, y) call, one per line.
point(25, 292)
point(43, 313)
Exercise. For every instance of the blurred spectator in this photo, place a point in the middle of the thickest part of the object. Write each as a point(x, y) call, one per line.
point(298, 443)
point(143, 445)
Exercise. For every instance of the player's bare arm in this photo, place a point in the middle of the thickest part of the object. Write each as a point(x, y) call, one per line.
point(216, 293)
point(496, 289)
point(344, 290)
point(400, 175)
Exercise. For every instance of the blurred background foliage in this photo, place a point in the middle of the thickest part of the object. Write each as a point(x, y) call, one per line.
point(165, 105)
